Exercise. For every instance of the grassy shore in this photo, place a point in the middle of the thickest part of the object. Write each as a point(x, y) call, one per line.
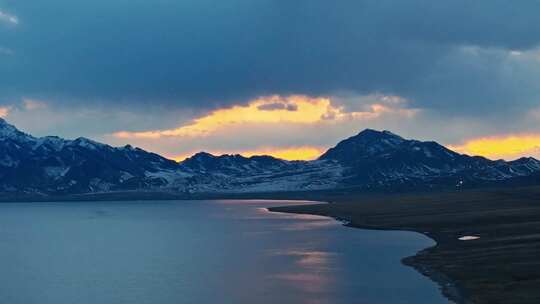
point(502, 266)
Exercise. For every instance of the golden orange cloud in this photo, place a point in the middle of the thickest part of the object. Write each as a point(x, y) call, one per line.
point(296, 109)
point(287, 153)
point(505, 147)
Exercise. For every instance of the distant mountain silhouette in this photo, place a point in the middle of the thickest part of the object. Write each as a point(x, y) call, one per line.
point(371, 160)
point(54, 165)
point(376, 158)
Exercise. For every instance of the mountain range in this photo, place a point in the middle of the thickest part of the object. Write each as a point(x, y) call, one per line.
point(369, 161)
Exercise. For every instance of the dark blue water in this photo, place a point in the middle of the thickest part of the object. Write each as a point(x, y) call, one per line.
point(199, 252)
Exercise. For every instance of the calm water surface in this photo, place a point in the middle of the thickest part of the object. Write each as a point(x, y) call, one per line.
point(199, 252)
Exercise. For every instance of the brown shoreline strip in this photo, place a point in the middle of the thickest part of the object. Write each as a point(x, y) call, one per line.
point(501, 266)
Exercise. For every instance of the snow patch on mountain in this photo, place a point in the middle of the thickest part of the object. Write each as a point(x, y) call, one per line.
point(369, 160)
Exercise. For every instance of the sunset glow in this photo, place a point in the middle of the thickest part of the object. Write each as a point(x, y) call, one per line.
point(4, 111)
point(295, 109)
point(505, 147)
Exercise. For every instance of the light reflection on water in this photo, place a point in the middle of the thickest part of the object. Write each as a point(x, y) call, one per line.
point(199, 252)
point(315, 270)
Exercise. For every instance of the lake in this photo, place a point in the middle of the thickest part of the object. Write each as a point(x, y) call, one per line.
point(200, 252)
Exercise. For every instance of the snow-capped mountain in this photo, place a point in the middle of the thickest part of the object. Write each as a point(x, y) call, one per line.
point(382, 159)
point(231, 164)
point(370, 160)
point(235, 173)
point(55, 165)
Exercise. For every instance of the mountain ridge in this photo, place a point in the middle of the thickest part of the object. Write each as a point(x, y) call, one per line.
point(370, 160)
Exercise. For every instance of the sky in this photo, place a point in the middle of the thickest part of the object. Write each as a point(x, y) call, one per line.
point(279, 77)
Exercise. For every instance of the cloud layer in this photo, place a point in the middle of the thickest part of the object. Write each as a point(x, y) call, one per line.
point(208, 55)
point(177, 70)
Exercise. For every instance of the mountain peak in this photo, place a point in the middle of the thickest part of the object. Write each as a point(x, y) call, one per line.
point(8, 131)
point(384, 148)
point(197, 158)
point(376, 134)
point(202, 154)
point(4, 124)
point(368, 142)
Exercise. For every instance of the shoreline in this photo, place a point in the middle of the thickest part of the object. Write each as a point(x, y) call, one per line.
point(448, 287)
point(487, 240)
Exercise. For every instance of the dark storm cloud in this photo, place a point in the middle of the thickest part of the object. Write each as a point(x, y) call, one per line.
point(207, 54)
